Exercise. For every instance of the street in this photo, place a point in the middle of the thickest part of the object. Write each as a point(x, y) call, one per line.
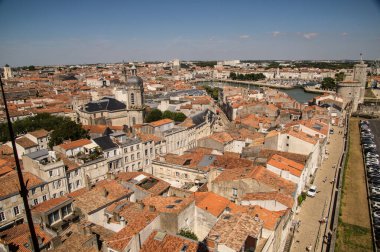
point(313, 210)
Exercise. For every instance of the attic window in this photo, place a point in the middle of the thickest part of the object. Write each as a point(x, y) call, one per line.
point(227, 217)
point(184, 248)
point(178, 201)
point(187, 162)
point(170, 206)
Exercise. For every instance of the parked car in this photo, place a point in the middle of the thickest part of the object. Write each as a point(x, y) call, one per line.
point(312, 191)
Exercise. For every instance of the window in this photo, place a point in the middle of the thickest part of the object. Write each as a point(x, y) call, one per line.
point(78, 183)
point(51, 173)
point(138, 155)
point(147, 162)
point(126, 159)
point(133, 99)
point(76, 172)
point(139, 165)
point(66, 210)
point(35, 201)
point(16, 211)
point(44, 198)
point(2, 216)
point(54, 195)
point(132, 157)
point(131, 148)
point(114, 152)
point(177, 174)
point(287, 144)
point(133, 167)
point(125, 150)
point(33, 191)
point(146, 152)
point(59, 183)
point(42, 187)
point(53, 217)
point(61, 193)
point(234, 192)
point(138, 147)
point(185, 175)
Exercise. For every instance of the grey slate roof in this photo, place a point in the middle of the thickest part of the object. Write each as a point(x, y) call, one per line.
point(201, 117)
point(38, 154)
point(104, 104)
point(105, 143)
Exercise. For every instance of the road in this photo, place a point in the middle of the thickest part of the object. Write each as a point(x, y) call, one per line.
point(312, 210)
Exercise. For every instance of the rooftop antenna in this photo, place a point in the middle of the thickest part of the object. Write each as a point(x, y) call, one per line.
point(23, 188)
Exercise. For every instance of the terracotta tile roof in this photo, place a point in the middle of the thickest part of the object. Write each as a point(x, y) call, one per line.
point(285, 164)
point(168, 204)
point(269, 218)
point(97, 129)
point(161, 122)
point(188, 123)
point(212, 202)
point(302, 136)
point(6, 150)
point(221, 137)
point(75, 144)
point(232, 230)
point(159, 186)
point(25, 142)
point(104, 193)
point(9, 184)
point(70, 164)
point(149, 137)
point(259, 174)
point(50, 204)
point(18, 236)
point(39, 133)
point(77, 242)
point(277, 196)
point(5, 169)
point(137, 217)
point(169, 243)
point(299, 158)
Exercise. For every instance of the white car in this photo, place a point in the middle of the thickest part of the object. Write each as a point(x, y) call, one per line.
point(312, 191)
point(375, 190)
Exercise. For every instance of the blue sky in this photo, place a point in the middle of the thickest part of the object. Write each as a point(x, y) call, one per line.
point(45, 32)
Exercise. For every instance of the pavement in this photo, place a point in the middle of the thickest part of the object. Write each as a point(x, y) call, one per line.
point(310, 231)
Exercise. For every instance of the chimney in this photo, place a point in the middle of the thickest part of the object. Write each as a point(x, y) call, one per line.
point(104, 192)
point(141, 205)
point(122, 221)
point(152, 208)
point(256, 217)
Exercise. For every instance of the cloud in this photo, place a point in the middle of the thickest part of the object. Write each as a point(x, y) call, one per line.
point(309, 35)
point(344, 34)
point(245, 36)
point(275, 33)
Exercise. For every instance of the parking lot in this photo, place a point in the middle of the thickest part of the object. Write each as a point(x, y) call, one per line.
point(370, 140)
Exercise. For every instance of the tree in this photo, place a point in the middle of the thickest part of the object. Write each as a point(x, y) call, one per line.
point(328, 83)
point(62, 133)
point(339, 77)
point(154, 115)
point(168, 114)
point(179, 117)
point(31, 68)
point(188, 234)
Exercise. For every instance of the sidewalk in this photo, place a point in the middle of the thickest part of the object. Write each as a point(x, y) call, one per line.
point(315, 209)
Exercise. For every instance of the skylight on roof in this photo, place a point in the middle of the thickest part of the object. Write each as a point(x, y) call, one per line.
point(170, 206)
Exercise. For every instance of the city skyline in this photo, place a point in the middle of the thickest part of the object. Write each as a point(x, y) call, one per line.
point(48, 33)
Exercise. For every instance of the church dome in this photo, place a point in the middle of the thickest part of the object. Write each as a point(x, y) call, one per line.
point(134, 81)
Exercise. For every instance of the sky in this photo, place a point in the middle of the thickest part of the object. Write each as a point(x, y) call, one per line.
point(52, 32)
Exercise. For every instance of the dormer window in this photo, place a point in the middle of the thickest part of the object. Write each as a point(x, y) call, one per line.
point(133, 99)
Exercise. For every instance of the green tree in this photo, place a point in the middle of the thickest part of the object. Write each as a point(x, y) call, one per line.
point(179, 117)
point(328, 83)
point(154, 115)
point(31, 68)
point(168, 114)
point(188, 234)
point(339, 77)
point(62, 133)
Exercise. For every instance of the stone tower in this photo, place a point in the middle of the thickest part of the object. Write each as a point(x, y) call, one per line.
point(7, 72)
point(131, 93)
point(360, 75)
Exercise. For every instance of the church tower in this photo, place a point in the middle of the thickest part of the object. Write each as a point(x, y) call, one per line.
point(360, 75)
point(131, 93)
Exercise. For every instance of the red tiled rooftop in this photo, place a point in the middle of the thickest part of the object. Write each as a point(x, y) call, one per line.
point(75, 144)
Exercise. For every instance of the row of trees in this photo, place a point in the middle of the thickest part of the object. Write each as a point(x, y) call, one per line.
point(156, 114)
point(63, 128)
point(247, 77)
point(213, 92)
point(330, 83)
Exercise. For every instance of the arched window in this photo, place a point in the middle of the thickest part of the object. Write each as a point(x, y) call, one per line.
point(133, 99)
point(133, 120)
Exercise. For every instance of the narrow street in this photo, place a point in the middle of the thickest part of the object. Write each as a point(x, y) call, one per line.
point(315, 209)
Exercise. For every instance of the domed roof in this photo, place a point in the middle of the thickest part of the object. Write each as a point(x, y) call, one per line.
point(135, 81)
